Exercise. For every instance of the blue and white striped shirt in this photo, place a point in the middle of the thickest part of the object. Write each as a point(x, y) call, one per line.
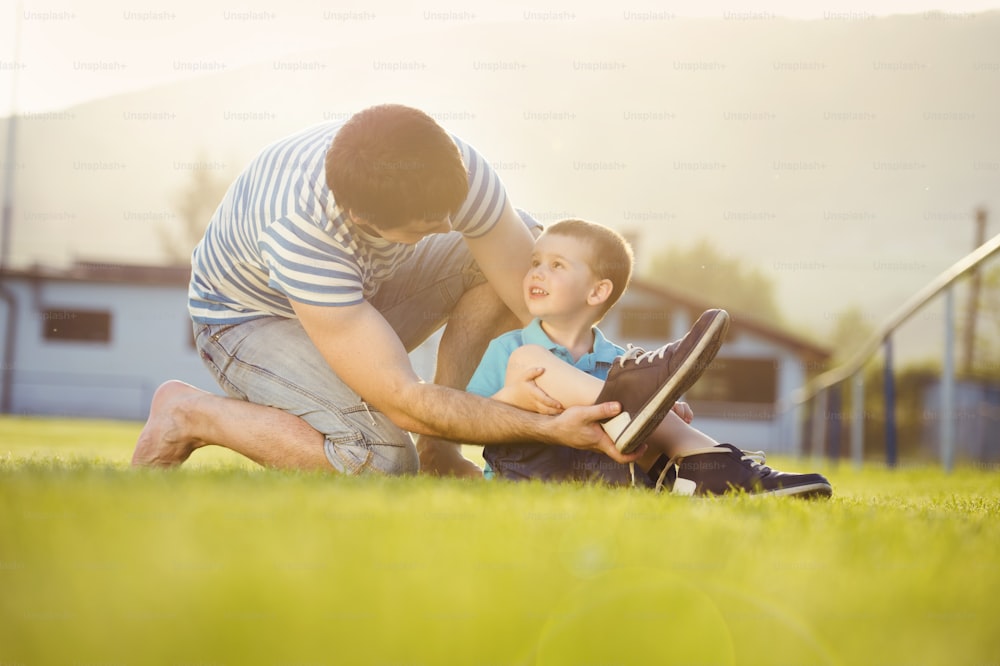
point(277, 235)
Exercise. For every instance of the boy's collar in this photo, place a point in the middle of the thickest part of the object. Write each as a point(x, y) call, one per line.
point(534, 334)
point(600, 342)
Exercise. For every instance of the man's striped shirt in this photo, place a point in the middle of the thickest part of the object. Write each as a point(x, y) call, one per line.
point(277, 235)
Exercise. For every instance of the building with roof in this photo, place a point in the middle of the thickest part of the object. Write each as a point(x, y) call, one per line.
point(94, 340)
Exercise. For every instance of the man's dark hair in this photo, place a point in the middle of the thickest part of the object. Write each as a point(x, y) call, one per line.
point(392, 164)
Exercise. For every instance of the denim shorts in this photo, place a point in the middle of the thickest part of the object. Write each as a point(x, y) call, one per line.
point(271, 361)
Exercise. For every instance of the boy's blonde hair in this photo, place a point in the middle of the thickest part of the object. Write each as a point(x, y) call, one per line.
point(612, 256)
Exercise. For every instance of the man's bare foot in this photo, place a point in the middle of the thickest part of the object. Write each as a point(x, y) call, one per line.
point(441, 458)
point(164, 441)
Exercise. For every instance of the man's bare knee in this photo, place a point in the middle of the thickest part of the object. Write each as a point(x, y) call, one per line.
point(482, 308)
point(478, 317)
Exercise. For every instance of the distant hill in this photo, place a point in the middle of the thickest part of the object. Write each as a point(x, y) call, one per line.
point(842, 157)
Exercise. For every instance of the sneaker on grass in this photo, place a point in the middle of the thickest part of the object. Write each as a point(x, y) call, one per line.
point(721, 469)
point(647, 384)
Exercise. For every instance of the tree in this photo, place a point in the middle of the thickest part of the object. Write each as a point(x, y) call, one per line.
point(718, 278)
point(195, 205)
point(851, 329)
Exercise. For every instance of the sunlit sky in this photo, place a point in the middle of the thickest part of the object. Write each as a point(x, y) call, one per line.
point(71, 52)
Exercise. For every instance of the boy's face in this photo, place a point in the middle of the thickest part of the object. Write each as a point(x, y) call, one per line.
point(560, 278)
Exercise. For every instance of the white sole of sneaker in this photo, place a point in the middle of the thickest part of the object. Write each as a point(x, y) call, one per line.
point(823, 489)
point(686, 487)
point(616, 426)
point(640, 424)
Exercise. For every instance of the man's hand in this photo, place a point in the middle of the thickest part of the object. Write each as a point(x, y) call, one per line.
point(582, 426)
point(442, 458)
point(524, 393)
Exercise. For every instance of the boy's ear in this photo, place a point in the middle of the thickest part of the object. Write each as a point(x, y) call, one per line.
point(600, 292)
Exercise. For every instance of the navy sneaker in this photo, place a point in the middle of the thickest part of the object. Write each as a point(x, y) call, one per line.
point(722, 469)
point(647, 384)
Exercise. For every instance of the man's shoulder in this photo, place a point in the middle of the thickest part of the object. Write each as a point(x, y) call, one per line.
point(300, 156)
point(317, 132)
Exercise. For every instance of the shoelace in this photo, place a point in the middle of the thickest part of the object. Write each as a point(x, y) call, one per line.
point(638, 354)
point(755, 458)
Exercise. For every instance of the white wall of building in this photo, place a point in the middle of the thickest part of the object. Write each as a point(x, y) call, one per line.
point(150, 343)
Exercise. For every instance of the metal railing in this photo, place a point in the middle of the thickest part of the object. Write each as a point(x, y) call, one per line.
point(822, 392)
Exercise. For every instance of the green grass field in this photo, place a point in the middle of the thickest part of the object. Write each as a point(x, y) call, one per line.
point(222, 563)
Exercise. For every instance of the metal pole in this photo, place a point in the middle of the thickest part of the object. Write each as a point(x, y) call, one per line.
point(858, 419)
point(10, 163)
point(833, 450)
point(786, 433)
point(890, 404)
point(818, 444)
point(975, 286)
point(947, 422)
point(6, 221)
point(900, 316)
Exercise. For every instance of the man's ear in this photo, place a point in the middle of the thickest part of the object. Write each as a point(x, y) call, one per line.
point(600, 292)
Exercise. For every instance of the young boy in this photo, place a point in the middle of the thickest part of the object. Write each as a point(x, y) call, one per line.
point(578, 271)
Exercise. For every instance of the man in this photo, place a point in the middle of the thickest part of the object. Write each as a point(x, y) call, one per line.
point(337, 251)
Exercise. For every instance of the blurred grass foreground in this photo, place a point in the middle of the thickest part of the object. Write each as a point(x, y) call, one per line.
point(223, 563)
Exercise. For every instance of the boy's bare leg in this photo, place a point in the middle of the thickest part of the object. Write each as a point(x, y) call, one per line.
point(478, 317)
point(571, 386)
point(183, 418)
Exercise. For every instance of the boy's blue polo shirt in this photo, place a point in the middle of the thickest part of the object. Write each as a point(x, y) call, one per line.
point(492, 371)
point(540, 460)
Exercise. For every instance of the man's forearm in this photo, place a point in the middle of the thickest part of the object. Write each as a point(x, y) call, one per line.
point(464, 417)
point(430, 409)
